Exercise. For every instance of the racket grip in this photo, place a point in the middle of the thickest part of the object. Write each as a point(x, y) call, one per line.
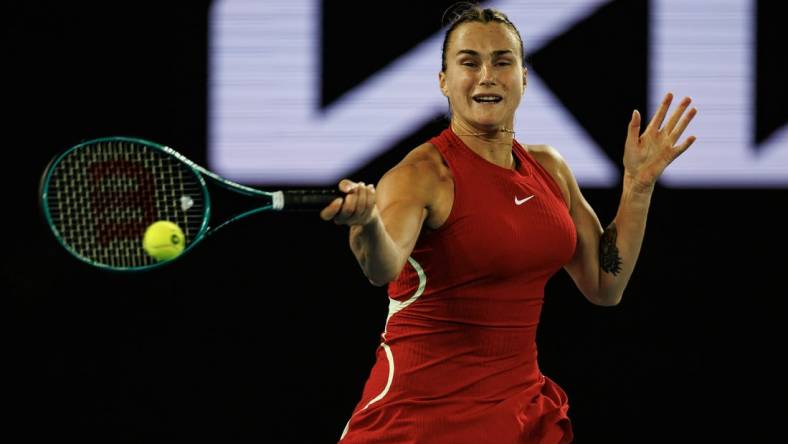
point(309, 200)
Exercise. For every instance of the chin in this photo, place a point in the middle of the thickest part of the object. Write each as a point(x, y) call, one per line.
point(490, 120)
point(489, 125)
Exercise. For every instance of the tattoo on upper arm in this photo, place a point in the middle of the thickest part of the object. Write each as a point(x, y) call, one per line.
point(609, 259)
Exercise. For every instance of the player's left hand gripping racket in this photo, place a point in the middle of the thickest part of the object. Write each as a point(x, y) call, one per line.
point(99, 197)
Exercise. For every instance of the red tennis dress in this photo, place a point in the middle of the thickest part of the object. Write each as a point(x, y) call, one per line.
point(457, 360)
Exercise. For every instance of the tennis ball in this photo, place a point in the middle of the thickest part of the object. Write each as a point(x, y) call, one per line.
point(163, 240)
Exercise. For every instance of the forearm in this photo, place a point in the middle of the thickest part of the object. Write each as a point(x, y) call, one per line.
point(377, 254)
point(619, 245)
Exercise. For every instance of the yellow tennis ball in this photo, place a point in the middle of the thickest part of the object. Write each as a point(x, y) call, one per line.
point(163, 240)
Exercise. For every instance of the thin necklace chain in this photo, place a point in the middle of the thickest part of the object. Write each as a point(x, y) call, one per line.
point(515, 162)
point(503, 130)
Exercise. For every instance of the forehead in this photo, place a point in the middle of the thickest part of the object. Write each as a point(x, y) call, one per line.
point(483, 37)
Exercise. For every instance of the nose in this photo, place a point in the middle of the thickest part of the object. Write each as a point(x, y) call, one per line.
point(487, 75)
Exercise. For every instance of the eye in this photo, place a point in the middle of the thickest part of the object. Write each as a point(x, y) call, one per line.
point(470, 64)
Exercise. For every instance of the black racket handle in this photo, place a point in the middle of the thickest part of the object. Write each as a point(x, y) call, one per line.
point(309, 200)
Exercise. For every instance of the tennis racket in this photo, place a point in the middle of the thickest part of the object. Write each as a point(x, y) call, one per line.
point(100, 196)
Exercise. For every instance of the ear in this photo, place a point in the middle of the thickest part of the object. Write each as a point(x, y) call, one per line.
point(442, 83)
point(525, 77)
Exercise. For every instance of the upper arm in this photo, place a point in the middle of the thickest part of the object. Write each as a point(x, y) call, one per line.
point(403, 195)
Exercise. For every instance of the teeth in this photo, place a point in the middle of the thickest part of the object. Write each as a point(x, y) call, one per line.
point(487, 98)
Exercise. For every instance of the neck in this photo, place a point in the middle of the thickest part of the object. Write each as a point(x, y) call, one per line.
point(500, 134)
point(494, 145)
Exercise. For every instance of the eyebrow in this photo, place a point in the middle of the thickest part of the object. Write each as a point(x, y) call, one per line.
point(497, 53)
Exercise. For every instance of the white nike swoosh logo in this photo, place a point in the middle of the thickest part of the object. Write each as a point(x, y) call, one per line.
point(522, 201)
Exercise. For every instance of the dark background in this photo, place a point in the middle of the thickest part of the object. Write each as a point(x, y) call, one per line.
point(267, 332)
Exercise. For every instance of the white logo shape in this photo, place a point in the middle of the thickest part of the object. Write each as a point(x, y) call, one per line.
point(522, 201)
point(249, 108)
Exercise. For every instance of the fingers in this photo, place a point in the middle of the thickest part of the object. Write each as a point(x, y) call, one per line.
point(357, 206)
point(349, 207)
point(335, 206)
point(345, 185)
point(331, 209)
point(684, 146)
point(677, 113)
point(656, 121)
point(675, 133)
point(634, 128)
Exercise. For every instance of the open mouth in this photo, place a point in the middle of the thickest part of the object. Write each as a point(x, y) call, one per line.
point(487, 98)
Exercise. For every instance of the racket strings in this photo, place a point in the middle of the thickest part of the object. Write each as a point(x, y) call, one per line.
point(102, 197)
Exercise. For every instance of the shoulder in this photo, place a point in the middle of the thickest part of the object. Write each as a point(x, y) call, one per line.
point(426, 156)
point(555, 164)
point(548, 157)
point(423, 165)
point(421, 180)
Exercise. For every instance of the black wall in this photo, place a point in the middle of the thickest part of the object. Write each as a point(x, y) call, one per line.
point(266, 333)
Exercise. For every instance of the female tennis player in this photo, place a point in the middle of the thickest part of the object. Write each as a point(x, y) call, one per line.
point(465, 231)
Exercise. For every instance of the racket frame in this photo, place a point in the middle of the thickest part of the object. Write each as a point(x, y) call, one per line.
point(276, 198)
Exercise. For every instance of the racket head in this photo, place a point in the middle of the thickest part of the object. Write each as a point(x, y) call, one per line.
point(98, 198)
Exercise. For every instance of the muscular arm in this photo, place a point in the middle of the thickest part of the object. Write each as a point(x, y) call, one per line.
point(382, 246)
point(605, 258)
point(385, 224)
